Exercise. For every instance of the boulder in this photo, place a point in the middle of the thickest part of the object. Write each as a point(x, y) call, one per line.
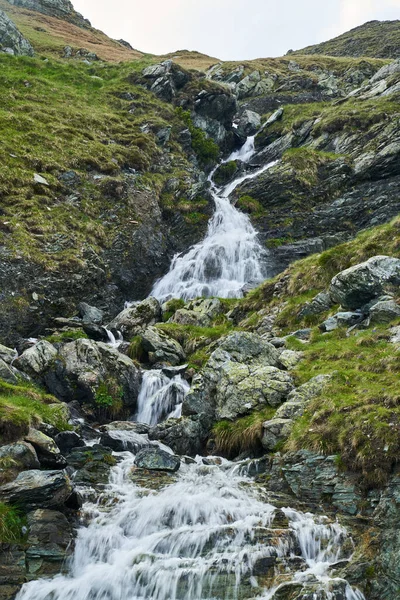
point(82, 366)
point(186, 436)
point(162, 348)
point(90, 314)
point(341, 319)
point(274, 432)
point(134, 320)
point(7, 354)
point(141, 428)
point(7, 372)
point(17, 457)
point(249, 123)
point(47, 450)
point(96, 332)
point(50, 537)
point(11, 39)
point(122, 440)
point(357, 285)
point(37, 489)
point(67, 440)
point(36, 360)
point(92, 464)
point(289, 359)
point(384, 312)
point(61, 9)
point(198, 312)
point(155, 459)
point(321, 303)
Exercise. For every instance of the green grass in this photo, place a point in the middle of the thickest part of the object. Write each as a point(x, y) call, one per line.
point(206, 149)
point(11, 523)
point(108, 399)
point(244, 435)
point(67, 336)
point(358, 414)
point(225, 172)
point(306, 162)
point(23, 406)
point(171, 307)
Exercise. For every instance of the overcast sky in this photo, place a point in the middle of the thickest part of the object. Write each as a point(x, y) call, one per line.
point(231, 29)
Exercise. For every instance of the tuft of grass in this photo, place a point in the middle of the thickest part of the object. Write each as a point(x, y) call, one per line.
point(171, 307)
point(23, 406)
point(11, 524)
point(136, 351)
point(234, 437)
point(358, 414)
point(67, 336)
point(108, 398)
point(306, 162)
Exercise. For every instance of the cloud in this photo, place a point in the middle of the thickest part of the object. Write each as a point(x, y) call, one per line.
point(356, 12)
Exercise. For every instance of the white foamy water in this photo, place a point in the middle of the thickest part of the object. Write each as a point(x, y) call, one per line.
point(197, 539)
point(229, 257)
point(160, 397)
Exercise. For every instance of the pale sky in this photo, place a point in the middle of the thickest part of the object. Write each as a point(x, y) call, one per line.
point(231, 29)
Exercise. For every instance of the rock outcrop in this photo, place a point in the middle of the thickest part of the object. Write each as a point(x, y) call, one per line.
point(11, 39)
point(62, 9)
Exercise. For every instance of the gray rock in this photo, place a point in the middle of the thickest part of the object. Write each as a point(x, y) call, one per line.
point(61, 9)
point(384, 312)
point(321, 303)
point(47, 450)
point(37, 489)
point(132, 321)
point(90, 314)
point(11, 39)
point(121, 440)
point(141, 428)
point(186, 436)
point(18, 456)
point(7, 373)
point(289, 358)
point(173, 371)
point(329, 325)
point(83, 365)
point(274, 432)
point(198, 312)
point(162, 348)
point(302, 334)
point(357, 285)
point(7, 354)
point(290, 410)
point(341, 319)
point(50, 536)
point(249, 123)
point(67, 440)
point(310, 389)
point(155, 459)
point(36, 360)
point(395, 335)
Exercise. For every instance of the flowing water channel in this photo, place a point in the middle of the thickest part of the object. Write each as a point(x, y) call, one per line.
point(229, 257)
point(207, 532)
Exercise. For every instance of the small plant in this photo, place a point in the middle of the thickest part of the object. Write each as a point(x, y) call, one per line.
point(206, 149)
point(233, 437)
point(11, 523)
point(171, 307)
point(136, 351)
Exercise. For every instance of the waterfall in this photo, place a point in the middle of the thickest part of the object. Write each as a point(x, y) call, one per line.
point(160, 397)
point(229, 257)
point(200, 538)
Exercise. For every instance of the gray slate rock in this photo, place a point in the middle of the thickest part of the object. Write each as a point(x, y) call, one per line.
point(50, 536)
point(36, 360)
point(155, 459)
point(162, 348)
point(20, 456)
point(121, 440)
point(90, 314)
point(37, 489)
point(7, 354)
point(341, 319)
point(132, 321)
point(198, 312)
point(47, 450)
point(62, 9)
point(67, 440)
point(384, 312)
point(7, 372)
point(11, 39)
point(357, 285)
point(275, 431)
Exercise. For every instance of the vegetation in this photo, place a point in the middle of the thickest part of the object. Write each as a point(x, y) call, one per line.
point(205, 148)
point(375, 38)
point(11, 523)
point(244, 435)
point(358, 413)
point(136, 351)
point(108, 397)
point(225, 172)
point(23, 406)
point(67, 336)
point(171, 307)
point(306, 162)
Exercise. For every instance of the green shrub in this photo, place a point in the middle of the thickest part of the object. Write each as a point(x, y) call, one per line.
point(205, 148)
point(11, 523)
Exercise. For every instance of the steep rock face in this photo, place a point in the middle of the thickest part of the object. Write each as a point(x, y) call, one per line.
point(11, 39)
point(62, 9)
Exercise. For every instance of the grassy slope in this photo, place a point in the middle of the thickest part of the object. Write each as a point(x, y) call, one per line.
point(375, 38)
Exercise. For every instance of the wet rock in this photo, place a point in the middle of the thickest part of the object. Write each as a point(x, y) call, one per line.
point(162, 348)
point(140, 428)
point(37, 489)
point(49, 541)
point(83, 365)
point(96, 332)
point(36, 360)
point(357, 285)
point(119, 440)
point(132, 321)
point(90, 314)
point(249, 123)
point(172, 372)
point(11, 39)
point(155, 459)
point(67, 440)
point(186, 436)
point(93, 464)
point(384, 312)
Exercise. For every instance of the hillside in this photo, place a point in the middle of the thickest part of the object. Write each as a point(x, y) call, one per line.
point(379, 39)
point(199, 299)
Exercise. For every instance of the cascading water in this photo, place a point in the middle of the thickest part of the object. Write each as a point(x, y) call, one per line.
point(160, 397)
point(200, 538)
point(228, 258)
